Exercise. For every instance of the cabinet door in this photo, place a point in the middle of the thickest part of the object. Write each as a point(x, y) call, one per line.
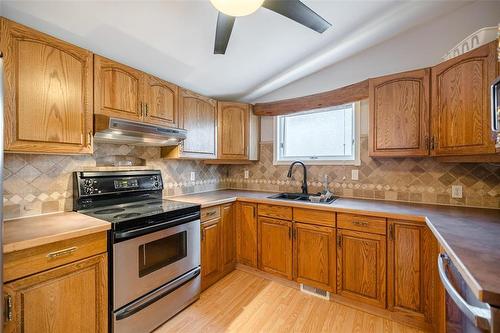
point(211, 256)
point(48, 92)
point(70, 298)
point(314, 256)
point(233, 131)
point(228, 238)
point(361, 267)
point(460, 113)
point(246, 234)
point(411, 248)
point(161, 102)
point(399, 114)
point(118, 90)
point(199, 118)
point(275, 247)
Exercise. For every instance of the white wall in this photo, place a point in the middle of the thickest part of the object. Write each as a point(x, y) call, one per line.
point(419, 47)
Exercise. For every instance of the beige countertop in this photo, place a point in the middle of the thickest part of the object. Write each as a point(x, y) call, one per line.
point(470, 236)
point(23, 233)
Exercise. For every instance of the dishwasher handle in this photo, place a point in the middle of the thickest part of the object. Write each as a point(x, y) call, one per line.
point(480, 317)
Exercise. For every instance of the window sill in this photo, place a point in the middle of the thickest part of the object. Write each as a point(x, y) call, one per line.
point(319, 162)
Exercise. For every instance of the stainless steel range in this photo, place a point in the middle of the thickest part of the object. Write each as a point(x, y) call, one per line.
point(154, 244)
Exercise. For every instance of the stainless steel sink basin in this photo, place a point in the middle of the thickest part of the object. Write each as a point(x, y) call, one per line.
point(299, 197)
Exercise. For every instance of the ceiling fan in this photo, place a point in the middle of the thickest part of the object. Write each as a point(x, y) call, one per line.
point(230, 9)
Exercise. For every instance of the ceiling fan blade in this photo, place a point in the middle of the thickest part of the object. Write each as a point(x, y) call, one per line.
point(300, 13)
point(224, 28)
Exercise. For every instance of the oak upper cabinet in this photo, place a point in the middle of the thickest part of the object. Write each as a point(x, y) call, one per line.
point(361, 266)
point(70, 298)
point(410, 265)
point(233, 130)
point(48, 92)
point(275, 246)
point(118, 90)
point(161, 102)
point(460, 111)
point(198, 115)
point(228, 237)
point(314, 256)
point(399, 114)
point(211, 255)
point(246, 233)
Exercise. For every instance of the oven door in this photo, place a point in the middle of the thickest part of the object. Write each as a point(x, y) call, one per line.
point(146, 262)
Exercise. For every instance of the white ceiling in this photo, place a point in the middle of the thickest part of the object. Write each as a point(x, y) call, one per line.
point(174, 39)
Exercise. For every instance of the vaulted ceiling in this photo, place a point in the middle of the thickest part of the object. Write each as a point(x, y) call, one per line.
point(174, 39)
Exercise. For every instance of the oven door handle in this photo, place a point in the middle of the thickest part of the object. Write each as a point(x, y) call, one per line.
point(156, 295)
point(479, 316)
point(120, 235)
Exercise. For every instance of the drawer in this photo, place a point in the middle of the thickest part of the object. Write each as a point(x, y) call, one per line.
point(210, 213)
point(314, 216)
point(376, 225)
point(277, 212)
point(40, 258)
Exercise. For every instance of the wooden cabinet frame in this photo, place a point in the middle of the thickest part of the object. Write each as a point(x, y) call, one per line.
point(58, 136)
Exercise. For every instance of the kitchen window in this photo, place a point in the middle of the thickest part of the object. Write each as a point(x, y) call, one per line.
point(327, 136)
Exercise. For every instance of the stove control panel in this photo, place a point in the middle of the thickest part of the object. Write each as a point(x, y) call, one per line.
point(111, 182)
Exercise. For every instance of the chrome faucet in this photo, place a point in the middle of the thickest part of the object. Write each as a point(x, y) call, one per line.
point(304, 181)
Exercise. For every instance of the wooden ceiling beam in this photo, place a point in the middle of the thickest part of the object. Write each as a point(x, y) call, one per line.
point(352, 93)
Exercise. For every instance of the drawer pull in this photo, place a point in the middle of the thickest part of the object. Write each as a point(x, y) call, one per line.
point(211, 213)
point(360, 223)
point(63, 252)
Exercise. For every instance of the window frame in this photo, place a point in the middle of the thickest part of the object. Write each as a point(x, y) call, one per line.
point(310, 160)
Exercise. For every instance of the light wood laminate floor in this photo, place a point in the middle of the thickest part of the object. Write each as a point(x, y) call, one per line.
point(244, 302)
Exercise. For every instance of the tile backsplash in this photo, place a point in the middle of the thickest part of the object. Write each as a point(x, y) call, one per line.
point(36, 184)
point(421, 180)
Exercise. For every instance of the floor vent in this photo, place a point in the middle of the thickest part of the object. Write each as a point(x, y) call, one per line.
point(315, 291)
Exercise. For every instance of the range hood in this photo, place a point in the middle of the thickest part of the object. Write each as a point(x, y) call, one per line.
point(116, 130)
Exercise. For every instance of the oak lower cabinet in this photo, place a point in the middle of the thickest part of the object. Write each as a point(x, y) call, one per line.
point(197, 115)
point(460, 111)
point(47, 92)
point(411, 253)
point(314, 256)
point(361, 267)
point(58, 287)
point(211, 254)
point(228, 239)
point(275, 247)
point(246, 234)
point(399, 114)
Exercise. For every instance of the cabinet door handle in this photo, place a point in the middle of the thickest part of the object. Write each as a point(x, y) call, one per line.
point(391, 232)
point(339, 241)
point(289, 233)
point(146, 108)
point(141, 110)
point(63, 252)
point(8, 308)
point(202, 233)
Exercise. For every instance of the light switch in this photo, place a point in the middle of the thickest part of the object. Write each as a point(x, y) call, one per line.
point(355, 174)
point(193, 176)
point(456, 191)
point(247, 174)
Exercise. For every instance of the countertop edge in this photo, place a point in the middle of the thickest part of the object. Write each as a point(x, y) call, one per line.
point(26, 244)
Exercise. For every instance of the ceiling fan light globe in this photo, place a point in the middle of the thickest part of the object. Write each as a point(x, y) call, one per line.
point(237, 7)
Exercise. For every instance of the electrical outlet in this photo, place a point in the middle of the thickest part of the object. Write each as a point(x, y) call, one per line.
point(456, 191)
point(193, 176)
point(246, 174)
point(355, 174)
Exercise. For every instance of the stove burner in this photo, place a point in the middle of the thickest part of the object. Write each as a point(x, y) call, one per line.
point(155, 203)
point(109, 211)
point(136, 206)
point(126, 215)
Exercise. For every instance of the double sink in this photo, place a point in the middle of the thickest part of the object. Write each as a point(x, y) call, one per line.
point(301, 197)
